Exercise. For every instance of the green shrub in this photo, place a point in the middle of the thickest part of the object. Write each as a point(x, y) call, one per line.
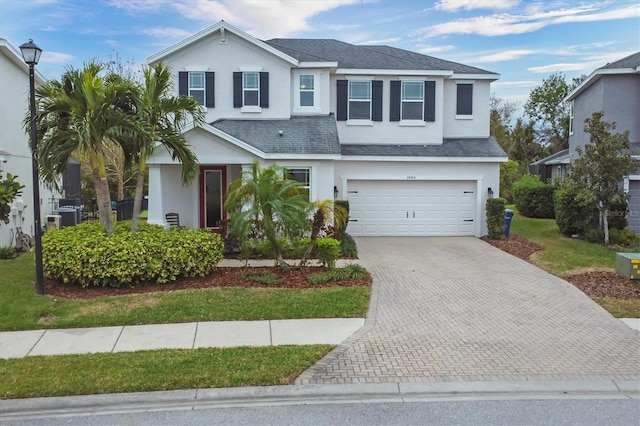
point(624, 237)
point(527, 181)
point(594, 235)
point(84, 254)
point(571, 217)
point(7, 252)
point(348, 247)
point(263, 249)
point(617, 215)
point(350, 272)
point(266, 277)
point(338, 231)
point(537, 202)
point(495, 217)
point(328, 251)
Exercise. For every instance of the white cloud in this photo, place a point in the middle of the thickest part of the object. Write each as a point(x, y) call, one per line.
point(515, 84)
point(507, 55)
point(132, 6)
point(56, 57)
point(262, 19)
point(166, 32)
point(588, 65)
point(381, 41)
point(435, 49)
point(48, 28)
point(112, 43)
point(506, 23)
point(454, 5)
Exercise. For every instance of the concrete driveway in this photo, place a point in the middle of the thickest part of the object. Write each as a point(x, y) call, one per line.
point(458, 309)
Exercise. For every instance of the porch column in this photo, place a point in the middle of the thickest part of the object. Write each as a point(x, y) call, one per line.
point(156, 211)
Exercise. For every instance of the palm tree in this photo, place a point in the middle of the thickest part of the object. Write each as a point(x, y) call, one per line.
point(324, 211)
point(80, 114)
point(164, 116)
point(266, 200)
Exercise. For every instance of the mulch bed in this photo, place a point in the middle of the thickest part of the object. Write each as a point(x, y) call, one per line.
point(222, 277)
point(597, 283)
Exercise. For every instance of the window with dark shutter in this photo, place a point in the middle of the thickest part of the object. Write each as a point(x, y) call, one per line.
point(376, 100)
point(394, 100)
point(465, 99)
point(264, 89)
point(237, 90)
point(342, 88)
point(183, 83)
point(209, 85)
point(430, 101)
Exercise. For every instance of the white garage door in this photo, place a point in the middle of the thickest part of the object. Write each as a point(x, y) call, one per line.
point(445, 208)
point(634, 205)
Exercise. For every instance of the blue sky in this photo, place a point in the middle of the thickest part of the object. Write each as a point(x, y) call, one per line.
point(524, 41)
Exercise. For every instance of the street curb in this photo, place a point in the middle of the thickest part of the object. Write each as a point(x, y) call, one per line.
point(67, 406)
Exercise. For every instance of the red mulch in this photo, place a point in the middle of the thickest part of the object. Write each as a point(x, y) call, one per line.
point(222, 277)
point(599, 283)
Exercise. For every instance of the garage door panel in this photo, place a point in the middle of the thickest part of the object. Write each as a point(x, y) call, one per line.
point(411, 207)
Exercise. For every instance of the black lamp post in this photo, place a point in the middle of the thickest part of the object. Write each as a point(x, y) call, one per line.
point(31, 54)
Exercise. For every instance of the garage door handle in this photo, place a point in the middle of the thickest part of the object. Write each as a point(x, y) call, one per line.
point(407, 215)
point(468, 220)
point(353, 220)
point(468, 192)
point(352, 192)
point(414, 215)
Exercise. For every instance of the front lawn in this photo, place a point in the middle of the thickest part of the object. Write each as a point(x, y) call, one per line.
point(563, 256)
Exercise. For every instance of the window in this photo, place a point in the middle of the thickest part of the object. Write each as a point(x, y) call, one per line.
point(307, 89)
point(412, 100)
point(302, 176)
point(251, 89)
point(571, 118)
point(465, 99)
point(359, 100)
point(198, 84)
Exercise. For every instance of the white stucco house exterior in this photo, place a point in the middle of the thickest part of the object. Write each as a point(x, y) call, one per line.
point(404, 137)
point(15, 153)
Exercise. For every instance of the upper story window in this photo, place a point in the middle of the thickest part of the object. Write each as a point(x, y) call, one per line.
point(359, 100)
point(412, 100)
point(464, 105)
point(307, 90)
point(302, 176)
point(251, 90)
point(571, 118)
point(198, 84)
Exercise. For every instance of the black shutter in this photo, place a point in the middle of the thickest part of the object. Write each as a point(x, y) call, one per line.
point(376, 100)
point(465, 99)
point(429, 101)
point(394, 100)
point(183, 83)
point(209, 84)
point(341, 94)
point(237, 89)
point(264, 90)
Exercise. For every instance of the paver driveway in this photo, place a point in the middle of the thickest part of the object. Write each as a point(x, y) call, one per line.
point(458, 309)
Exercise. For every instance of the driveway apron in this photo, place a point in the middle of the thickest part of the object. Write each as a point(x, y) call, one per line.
point(458, 309)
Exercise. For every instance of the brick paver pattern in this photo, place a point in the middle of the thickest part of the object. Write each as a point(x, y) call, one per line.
point(458, 309)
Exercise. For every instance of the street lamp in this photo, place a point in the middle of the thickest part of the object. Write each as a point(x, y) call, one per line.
point(31, 54)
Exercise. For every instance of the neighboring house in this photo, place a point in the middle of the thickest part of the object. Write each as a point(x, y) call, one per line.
point(403, 137)
point(615, 90)
point(551, 169)
point(15, 153)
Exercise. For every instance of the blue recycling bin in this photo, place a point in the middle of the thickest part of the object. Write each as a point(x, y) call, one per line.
point(508, 214)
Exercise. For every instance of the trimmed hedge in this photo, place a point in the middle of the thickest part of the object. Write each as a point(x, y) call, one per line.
point(85, 255)
point(495, 217)
point(571, 217)
point(537, 202)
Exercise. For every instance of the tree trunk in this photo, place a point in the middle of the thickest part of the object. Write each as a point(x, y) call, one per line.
point(318, 221)
point(605, 223)
point(104, 201)
point(137, 201)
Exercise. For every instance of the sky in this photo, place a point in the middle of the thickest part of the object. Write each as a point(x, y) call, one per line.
point(523, 41)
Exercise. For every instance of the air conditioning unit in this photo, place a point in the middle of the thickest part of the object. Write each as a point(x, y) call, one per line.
point(53, 221)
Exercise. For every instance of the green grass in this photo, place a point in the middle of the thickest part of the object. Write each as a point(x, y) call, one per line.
point(22, 309)
point(563, 255)
point(155, 370)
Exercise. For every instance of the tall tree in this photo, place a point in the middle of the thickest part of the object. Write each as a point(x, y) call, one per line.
point(9, 189)
point(80, 113)
point(524, 148)
point(603, 163)
point(164, 115)
point(263, 199)
point(501, 113)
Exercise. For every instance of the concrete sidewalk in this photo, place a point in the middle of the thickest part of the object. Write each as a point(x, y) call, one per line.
point(18, 344)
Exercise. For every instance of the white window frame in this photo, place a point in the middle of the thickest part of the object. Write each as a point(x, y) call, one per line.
point(571, 117)
point(307, 184)
point(303, 89)
point(350, 99)
point(403, 101)
point(202, 89)
point(245, 89)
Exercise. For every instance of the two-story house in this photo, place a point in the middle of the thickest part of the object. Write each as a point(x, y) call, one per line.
point(15, 152)
point(403, 137)
point(615, 90)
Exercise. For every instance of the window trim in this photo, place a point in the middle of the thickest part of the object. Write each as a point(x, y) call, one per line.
point(461, 109)
point(402, 101)
point(308, 171)
point(184, 86)
point(571, 117)
point(202, 89)
point(245, 89)
point(349, 100)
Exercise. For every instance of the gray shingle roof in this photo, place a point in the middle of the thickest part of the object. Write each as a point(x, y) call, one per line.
point(300, 135)
point(631, 61)
point(463, 147)
point(365, 57)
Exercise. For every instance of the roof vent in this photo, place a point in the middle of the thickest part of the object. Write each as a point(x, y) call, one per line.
point(223, 36)
point(280, 132)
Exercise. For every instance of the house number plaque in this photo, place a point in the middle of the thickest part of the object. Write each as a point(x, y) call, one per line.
point(411, 178)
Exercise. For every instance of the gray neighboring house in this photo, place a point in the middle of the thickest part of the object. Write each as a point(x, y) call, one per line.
point(614, 89)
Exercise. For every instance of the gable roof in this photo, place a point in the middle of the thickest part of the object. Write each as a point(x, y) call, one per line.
point(627, 65)
point(315, 135)
point(366, 57)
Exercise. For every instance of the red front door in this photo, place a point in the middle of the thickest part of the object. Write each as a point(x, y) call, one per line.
point(213, 185)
